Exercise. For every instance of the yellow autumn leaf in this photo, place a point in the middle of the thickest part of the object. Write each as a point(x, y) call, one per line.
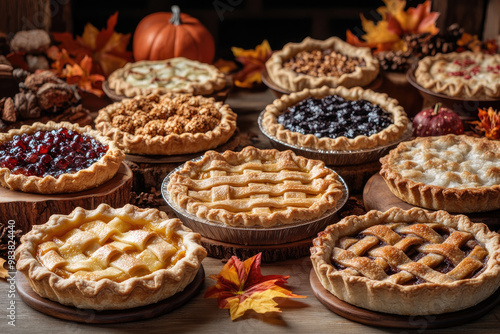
point(4, 273)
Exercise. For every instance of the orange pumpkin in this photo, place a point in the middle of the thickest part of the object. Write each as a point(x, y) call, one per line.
point(167, 35)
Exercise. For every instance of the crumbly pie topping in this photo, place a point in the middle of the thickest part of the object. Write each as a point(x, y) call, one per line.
point(323, 63)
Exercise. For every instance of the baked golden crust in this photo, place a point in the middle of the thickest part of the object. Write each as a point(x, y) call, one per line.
point(176, 75)
point(390, 134)
point(98, 173)
point(467, 74)
point(255, 187)
point(293, 81)
point(104, 293)
point(452, 173)
point(438, 236)
point(160, 138)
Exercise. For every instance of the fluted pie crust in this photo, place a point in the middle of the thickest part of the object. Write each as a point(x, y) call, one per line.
point(170, 143)
point(389, 134)
point(255, 187)
point(110, 259)
point(98, 173)
point(176, 75)
point(408, 262)
point(453, 173)
point(294, 81)
point(443, 74)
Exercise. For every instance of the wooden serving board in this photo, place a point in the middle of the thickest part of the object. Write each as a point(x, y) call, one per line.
point(28, 209)
point(379, 319)
point(54, 309)
point(378, 196)
point(270, 253)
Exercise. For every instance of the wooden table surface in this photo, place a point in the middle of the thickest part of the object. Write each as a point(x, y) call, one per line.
point(203, 316)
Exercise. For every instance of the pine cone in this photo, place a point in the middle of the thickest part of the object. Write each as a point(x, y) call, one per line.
point(8, 110)
point(56, 97)
point(394, 61)
point(36, 80)
point(26, 105)
point(4, 240)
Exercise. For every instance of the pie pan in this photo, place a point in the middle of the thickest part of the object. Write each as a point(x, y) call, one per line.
point(336, 158)
point(254, 235)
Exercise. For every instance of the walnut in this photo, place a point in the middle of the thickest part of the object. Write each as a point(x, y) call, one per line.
point(37, 80)
point(27, 105)
point(37, 62)
point(9, 110)
point(30, 41)
point(56, 97)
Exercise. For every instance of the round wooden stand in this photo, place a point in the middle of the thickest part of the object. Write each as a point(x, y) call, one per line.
point(28, 209)
point(377, 196)
point(379, 319)
point(54, 309)
point(356, 176)
point(270, 253)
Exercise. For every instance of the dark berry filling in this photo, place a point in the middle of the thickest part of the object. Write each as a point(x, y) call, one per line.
point(53, 153)
point(333, 116)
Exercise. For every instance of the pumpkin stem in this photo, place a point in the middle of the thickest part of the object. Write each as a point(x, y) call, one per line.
point(176, 16)
point(436, 109)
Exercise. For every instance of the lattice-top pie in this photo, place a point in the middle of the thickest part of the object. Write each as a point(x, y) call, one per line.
point(452, 173)
point(110, 258)
point(408, 262)
point(466, 74)
point(177, 75)
point(255, 187)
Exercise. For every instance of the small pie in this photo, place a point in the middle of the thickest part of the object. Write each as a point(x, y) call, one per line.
point(109, 258)
point(464, 75)
point(176, 75)
point(167, 124)
point(452, 173)
point(56, 158)
point(314, 64)
point(335, 119)
point(255, 187)
point(408, 262)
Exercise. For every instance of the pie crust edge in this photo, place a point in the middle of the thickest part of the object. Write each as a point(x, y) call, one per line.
point(421, 299)
point(106, 294)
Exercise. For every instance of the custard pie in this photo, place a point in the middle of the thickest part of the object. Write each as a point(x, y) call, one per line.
point(408, 262)
point(176, 75)
point(452, 173)
point(335, 119)
point(56, 158)
point(109, 258)
point(465, 75)
point(255, 187)
point(167, 124)
point(314, 64)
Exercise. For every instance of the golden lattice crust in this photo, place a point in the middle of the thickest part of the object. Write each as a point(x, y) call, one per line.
point(375, 272)
point(391, 133)
point(98, 173)
point(441, 74)
point(255, 187)
point(176, 75)
point(294, 82)
point(150, 143)
point(64, 258)
point(453, 173)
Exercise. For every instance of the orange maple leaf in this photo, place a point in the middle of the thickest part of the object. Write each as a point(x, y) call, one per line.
point(254, 62)
point(241, 286)
point(488, 124)
point(3, 272)
point(80, 75)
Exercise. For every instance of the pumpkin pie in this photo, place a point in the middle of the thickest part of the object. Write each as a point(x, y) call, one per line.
point(408, 262)
point(167, 124)
point(109, 258)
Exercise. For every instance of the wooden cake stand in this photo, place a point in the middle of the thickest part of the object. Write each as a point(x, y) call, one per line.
point(378, 196)
point(28, 209)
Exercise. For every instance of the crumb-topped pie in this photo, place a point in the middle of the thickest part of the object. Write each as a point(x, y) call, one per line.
point(314, 64)
point(338, 119)
point(467, 74)
point(110, 258)
point(167, 124)
point(452, 173)
point(55, 158)
point(255, 187)
point(408, 262)
point(176, 75)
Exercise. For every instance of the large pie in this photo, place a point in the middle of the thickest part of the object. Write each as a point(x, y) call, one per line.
point(110, 258)
point(408, 262)
point(466, 75)
point(452, 173)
